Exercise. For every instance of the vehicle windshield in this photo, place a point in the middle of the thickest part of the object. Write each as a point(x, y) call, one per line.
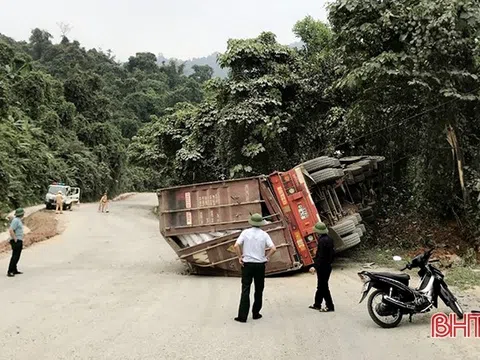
point(54, 189)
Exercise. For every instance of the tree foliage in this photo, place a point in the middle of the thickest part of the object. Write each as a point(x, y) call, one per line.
point(394, 77)
point(67, 114)
point(391, 77)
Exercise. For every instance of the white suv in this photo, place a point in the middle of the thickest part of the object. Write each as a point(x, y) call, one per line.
point(71, 195)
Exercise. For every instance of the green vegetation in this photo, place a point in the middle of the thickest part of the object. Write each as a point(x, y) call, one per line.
point(68, 114)
point(463, 277)
point(380, 256)
point(397, 78)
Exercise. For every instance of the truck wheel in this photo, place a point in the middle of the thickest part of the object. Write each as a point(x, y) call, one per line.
point(356, 218)
point(344, 228)
point(362, 227)
point(359, 178)
point(354, 170)
point(319, 163)
point(327, 175)
point(366, 212)
point(349, 241)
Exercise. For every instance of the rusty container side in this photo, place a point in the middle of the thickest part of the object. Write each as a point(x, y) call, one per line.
point(208, 207)
point(218, 256)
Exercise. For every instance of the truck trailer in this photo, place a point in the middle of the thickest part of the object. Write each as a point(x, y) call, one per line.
point(201, 222)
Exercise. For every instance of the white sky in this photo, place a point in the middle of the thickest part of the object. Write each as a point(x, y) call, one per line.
point(183, 29)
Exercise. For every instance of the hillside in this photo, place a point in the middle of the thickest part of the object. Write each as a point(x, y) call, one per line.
point(210, 60)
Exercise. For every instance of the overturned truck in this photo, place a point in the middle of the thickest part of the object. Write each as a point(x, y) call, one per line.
point(201, 222)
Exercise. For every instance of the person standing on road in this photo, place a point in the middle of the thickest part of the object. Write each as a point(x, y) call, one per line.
point(103, 203)
point(250, 247)
point(59, 201)
point(323, 266)
point(16, 242)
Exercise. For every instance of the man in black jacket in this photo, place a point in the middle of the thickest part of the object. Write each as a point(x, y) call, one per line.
point(323, 266)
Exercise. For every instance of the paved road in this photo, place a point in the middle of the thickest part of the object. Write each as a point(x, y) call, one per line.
point(110, 288)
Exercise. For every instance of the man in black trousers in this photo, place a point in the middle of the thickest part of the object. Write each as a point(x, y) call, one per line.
point(16, 242)
point(323, 266)
point(250, 247)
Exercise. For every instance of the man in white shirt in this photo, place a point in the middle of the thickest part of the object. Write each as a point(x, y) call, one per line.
point(250, 247)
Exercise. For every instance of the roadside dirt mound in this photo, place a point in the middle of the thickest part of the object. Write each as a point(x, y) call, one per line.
point(43, 225)
point(412, 232)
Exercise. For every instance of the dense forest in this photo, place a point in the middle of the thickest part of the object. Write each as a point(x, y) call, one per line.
point(397, 78)
point(68, 114)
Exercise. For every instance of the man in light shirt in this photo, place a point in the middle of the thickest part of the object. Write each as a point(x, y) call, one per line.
point(250, 247)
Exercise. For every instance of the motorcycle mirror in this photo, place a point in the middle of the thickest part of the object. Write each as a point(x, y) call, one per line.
point(397, 258)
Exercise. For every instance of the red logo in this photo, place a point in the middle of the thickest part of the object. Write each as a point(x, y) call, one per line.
point(449, 326)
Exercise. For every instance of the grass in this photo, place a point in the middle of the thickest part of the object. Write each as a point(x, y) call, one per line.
point(381, 257)
point(463, 277)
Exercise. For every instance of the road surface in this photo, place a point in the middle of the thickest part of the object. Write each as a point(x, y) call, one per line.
point(110, 288)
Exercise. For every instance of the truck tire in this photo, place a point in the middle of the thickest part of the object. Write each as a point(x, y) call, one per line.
point(350, 241)
point(365, 164)
point(356, 218)
point(363, 228)
point(366, 211)
point(359, 217)
point(359, 178)
point(377, 159)
point(344, 228)
point(351, 159)
point(327, 175)
point(320, 163)
point(354, 170)
point(369, 219)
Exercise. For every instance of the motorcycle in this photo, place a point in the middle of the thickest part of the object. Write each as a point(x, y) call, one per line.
point(393, 298)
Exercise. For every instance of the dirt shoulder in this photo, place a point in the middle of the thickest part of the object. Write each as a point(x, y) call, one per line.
point(43, 225)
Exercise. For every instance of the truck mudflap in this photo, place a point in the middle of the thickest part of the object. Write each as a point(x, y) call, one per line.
point(218, 257)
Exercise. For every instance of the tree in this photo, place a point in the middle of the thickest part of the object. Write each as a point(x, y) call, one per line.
point(315, 35)
point(40, 42)
point(201, 73)
point(409, 68)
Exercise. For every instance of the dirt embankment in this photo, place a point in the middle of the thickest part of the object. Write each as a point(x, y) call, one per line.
point(412, 232)
point(43, 225)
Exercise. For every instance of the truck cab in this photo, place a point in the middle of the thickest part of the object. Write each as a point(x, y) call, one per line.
point(71, 195)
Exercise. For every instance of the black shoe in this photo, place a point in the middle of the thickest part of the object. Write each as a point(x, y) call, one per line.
point(18, 273)
point(257, 316)
point(240, 320)
point(10, 274)
point(314, 307)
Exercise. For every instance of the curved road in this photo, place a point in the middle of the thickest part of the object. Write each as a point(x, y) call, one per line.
point(110, 288)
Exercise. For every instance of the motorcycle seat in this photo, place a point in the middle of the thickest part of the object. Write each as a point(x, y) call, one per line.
point(403, 278)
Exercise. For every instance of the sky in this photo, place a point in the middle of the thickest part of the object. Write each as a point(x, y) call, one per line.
point(181, 29)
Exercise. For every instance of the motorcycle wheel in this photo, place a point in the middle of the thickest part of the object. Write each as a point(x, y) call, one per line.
point(449, 299)
point(378, 319)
